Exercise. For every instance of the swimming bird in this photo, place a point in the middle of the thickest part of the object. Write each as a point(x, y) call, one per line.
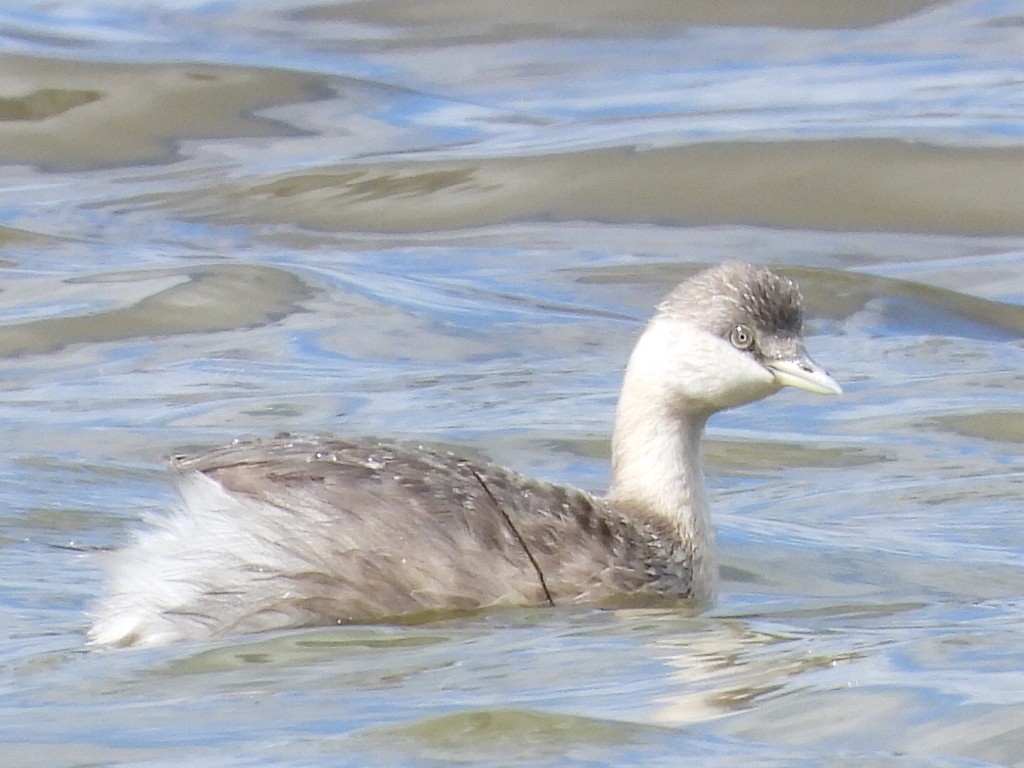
point(290, 531)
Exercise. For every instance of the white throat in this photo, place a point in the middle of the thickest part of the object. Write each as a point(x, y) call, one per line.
point(656, 450)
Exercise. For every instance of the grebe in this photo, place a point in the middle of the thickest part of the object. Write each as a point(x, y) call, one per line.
point(292, 532)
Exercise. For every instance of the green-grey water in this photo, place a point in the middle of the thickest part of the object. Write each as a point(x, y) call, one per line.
point(447, 221)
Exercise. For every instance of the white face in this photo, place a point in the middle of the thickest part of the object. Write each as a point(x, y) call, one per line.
point(700, 371)
point(696, 370)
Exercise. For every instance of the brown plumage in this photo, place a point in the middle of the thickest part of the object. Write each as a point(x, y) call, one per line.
point(291, 531)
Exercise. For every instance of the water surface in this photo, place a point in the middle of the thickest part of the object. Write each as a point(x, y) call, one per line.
point(448, 221)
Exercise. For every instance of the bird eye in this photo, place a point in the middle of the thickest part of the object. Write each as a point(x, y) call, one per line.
point(742, 337)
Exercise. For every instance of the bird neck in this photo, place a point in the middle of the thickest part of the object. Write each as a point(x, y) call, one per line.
point(656, 463)
point(657, 467)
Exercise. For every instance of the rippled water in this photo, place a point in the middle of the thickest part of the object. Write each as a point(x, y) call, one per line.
point(447, 221)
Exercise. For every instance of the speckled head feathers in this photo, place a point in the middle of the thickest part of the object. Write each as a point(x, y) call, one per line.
point(719, 298)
